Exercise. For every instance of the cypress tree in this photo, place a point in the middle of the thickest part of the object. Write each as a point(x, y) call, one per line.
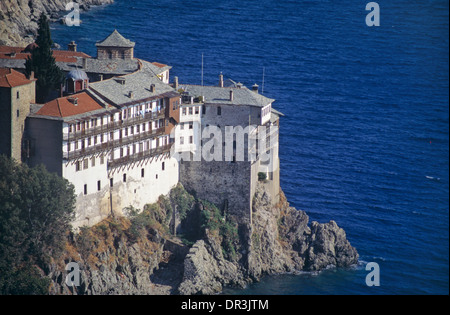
point(49, 76)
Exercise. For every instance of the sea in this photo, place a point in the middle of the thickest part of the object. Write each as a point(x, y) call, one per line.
point(365, 136)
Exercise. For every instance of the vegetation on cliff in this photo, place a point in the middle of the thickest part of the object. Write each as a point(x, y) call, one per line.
point(177, 245)
point(36, 208)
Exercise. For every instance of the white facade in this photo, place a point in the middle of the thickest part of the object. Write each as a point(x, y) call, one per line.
point(188, 131)
point(101, 192)
point(118, 158)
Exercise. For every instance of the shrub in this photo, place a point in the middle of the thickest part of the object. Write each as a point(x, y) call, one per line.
point(213, 220)
point(36, 208)
point(262, 176)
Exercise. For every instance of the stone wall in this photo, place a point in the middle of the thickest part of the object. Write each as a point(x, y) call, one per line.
point(114, 53)
point(16, 106)
point(45, 138)
point(225, 184)
point(22, 96)
point(5, 121)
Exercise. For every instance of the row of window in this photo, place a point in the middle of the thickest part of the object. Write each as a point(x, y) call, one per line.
point(124, 151)
point(191, 140)
point(191, 125)
point(267, 110)
point(124, 179)
point(123, 115)
point(125, 132)
point(84, 164)
point(190, 110)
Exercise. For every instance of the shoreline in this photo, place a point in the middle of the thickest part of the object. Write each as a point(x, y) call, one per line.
point(18, 24)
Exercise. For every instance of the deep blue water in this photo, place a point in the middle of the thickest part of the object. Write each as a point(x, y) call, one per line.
point(365, 139)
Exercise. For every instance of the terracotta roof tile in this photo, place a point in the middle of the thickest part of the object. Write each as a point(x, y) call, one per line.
point(159, 65)
point(64, 107)
point(9, 49)
point(67, 56)
point(12, 78)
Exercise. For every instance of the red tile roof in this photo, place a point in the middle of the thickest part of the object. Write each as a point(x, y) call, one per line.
point(12, 78)
point(7, 52)
point(9, 49)
point(160, 65)
point(64, 107)
point(68, 53)
point(14, 56)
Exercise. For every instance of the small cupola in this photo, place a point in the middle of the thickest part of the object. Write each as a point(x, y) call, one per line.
point(76, 81)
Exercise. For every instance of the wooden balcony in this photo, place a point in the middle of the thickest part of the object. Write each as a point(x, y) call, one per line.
point(137, 137)
point(139, 156)
point(111, 126)
point(110, 145)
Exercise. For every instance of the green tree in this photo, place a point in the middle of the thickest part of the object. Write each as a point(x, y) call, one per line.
point(49, 76)
point(36, 208)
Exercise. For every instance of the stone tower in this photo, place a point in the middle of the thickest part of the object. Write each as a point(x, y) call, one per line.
point(17, 92)
point(115, 46)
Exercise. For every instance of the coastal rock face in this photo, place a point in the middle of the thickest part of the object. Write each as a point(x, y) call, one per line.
point(206, 270)
point(112, 263)
point(279, 240)
point(18, 18)
point(119, 256)
point(328, 245)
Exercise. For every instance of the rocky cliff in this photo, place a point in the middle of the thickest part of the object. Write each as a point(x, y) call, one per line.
point(140, 254)
point(18, 18)
point(279, 240)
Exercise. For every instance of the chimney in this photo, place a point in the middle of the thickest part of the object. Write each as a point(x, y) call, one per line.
point(84, 63)
point(221, 80)
point(101, 77)
point(130, 94)
point(31, 76)
point(73, 100)
point(231, 96)
point(72, 46)
point(152, 88)
point(175, 83)
point(255, 88)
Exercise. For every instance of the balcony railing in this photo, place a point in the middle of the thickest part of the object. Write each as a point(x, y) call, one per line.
point(103, 147)
point(72, 155)
point(110, 126)
point(139, 156)
point(137, 137)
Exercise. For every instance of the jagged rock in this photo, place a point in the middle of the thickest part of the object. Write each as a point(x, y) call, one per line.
point(279, 240)
point(18, 18)
point(206, 270)
point(328, 245)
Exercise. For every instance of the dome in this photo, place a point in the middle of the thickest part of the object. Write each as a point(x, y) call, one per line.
point(77, 75)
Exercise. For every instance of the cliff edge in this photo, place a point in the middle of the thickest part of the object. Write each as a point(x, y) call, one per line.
point(278, 241)
point(141, 255)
